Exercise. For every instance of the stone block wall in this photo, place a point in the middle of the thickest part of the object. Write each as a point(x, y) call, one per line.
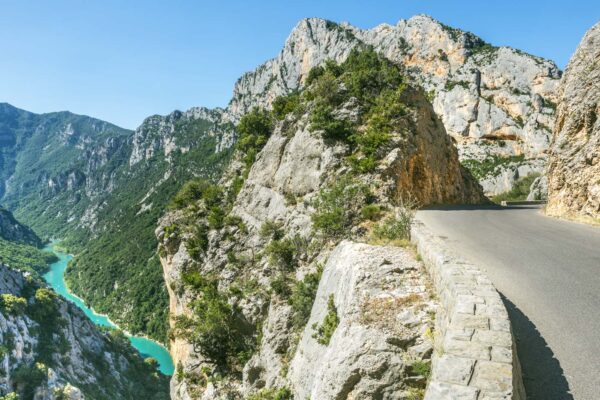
point(475, 355)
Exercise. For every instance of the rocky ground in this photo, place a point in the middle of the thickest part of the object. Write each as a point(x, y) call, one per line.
point(268, 259)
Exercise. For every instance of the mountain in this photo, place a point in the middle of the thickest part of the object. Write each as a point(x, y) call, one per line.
point(574, 169)
point(324, 180)
point(101, 188)
point(49, 349)
point(497, 103)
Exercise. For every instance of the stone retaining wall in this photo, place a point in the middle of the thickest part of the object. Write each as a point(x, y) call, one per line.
point(475, 356)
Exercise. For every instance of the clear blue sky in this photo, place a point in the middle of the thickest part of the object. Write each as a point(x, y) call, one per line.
point(122, 61)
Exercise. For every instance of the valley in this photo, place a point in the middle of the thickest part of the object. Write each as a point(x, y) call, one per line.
point(147, 348)
point(268, 250)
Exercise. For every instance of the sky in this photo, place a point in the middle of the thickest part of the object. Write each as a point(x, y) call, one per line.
point(122, 61)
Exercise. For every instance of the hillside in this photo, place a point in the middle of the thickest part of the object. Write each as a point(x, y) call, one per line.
point(245, 259)
point(497, 103)
point(102, 188)
point(49, 349)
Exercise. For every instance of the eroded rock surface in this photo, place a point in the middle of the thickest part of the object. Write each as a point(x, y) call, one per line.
point(384, 312)
point(574, 169)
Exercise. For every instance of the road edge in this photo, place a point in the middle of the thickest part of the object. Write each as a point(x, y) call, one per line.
point(474, 354)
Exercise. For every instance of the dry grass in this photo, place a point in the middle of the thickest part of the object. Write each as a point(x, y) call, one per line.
point(381, 312)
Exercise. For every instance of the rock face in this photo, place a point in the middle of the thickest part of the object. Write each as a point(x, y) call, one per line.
point(493, 101)
point(574, 168)
point(381, 332)
point(296, 165)
point(49, 348)
point(12, 230)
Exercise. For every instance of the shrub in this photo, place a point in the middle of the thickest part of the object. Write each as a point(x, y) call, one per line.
point(198, 243)
point(216, 217)
point(272, 394)
point(324, 332)
point(519, 191)
point(284, 105)
point(271, 230)
point(371, 212)
point(12, 304)
point(303, 297)
point(190, 192)
point(281, 285)
point(215, 328)
point(421, 368)
point(321, 118)
point(396, 228)
point(339, 207)
point(282, 254)
point(254, 128)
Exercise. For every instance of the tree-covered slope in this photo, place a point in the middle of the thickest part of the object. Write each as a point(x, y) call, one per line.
point(101, 189)
point(118, 271)
point(50, 350)
point(13, 230)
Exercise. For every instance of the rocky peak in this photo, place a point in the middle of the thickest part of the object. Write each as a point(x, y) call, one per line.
point(496, 102)
point(574, 168)
point(160, 135)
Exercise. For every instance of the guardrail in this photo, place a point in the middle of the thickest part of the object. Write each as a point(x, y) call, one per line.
point(505, 203)
point(475, 352)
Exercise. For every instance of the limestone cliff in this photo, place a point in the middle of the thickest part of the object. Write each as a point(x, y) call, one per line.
point(50, 350)
point(246, 256)
point(497, 103)
point(574, 168)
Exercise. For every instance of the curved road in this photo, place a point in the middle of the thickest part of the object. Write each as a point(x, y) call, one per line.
point(548, 271)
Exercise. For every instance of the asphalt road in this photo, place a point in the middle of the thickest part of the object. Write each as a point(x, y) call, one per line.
point(548, 271)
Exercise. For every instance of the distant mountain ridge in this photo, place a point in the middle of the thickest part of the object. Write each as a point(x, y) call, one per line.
point(102, 188)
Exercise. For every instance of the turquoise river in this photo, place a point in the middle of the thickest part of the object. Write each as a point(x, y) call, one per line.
point(147, 348)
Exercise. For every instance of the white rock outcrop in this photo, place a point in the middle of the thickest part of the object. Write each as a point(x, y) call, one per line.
point(492, 100)
point(574, 169)
point(384, 312)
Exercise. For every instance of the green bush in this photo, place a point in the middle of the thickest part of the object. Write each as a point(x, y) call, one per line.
point(490, 166)
point(324, 332)
point(12, 304)
point(272, 394)
point(371, 212)
point(190, 192)
point(198, 243)
point(271, 230)
point(215, 328)
point(281, 285)
point(338, 208)
point(519, 191)
point(29, 377)
point(393, 229)
point(282, 254)
point(303, 297)
point(284, 105)
point(254, 129)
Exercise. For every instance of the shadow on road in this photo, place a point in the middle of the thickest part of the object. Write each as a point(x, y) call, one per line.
point(543, 376)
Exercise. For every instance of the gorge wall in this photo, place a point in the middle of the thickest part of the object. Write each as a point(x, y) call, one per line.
point(574, 169)
point(250, 255)
point(497, 103)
